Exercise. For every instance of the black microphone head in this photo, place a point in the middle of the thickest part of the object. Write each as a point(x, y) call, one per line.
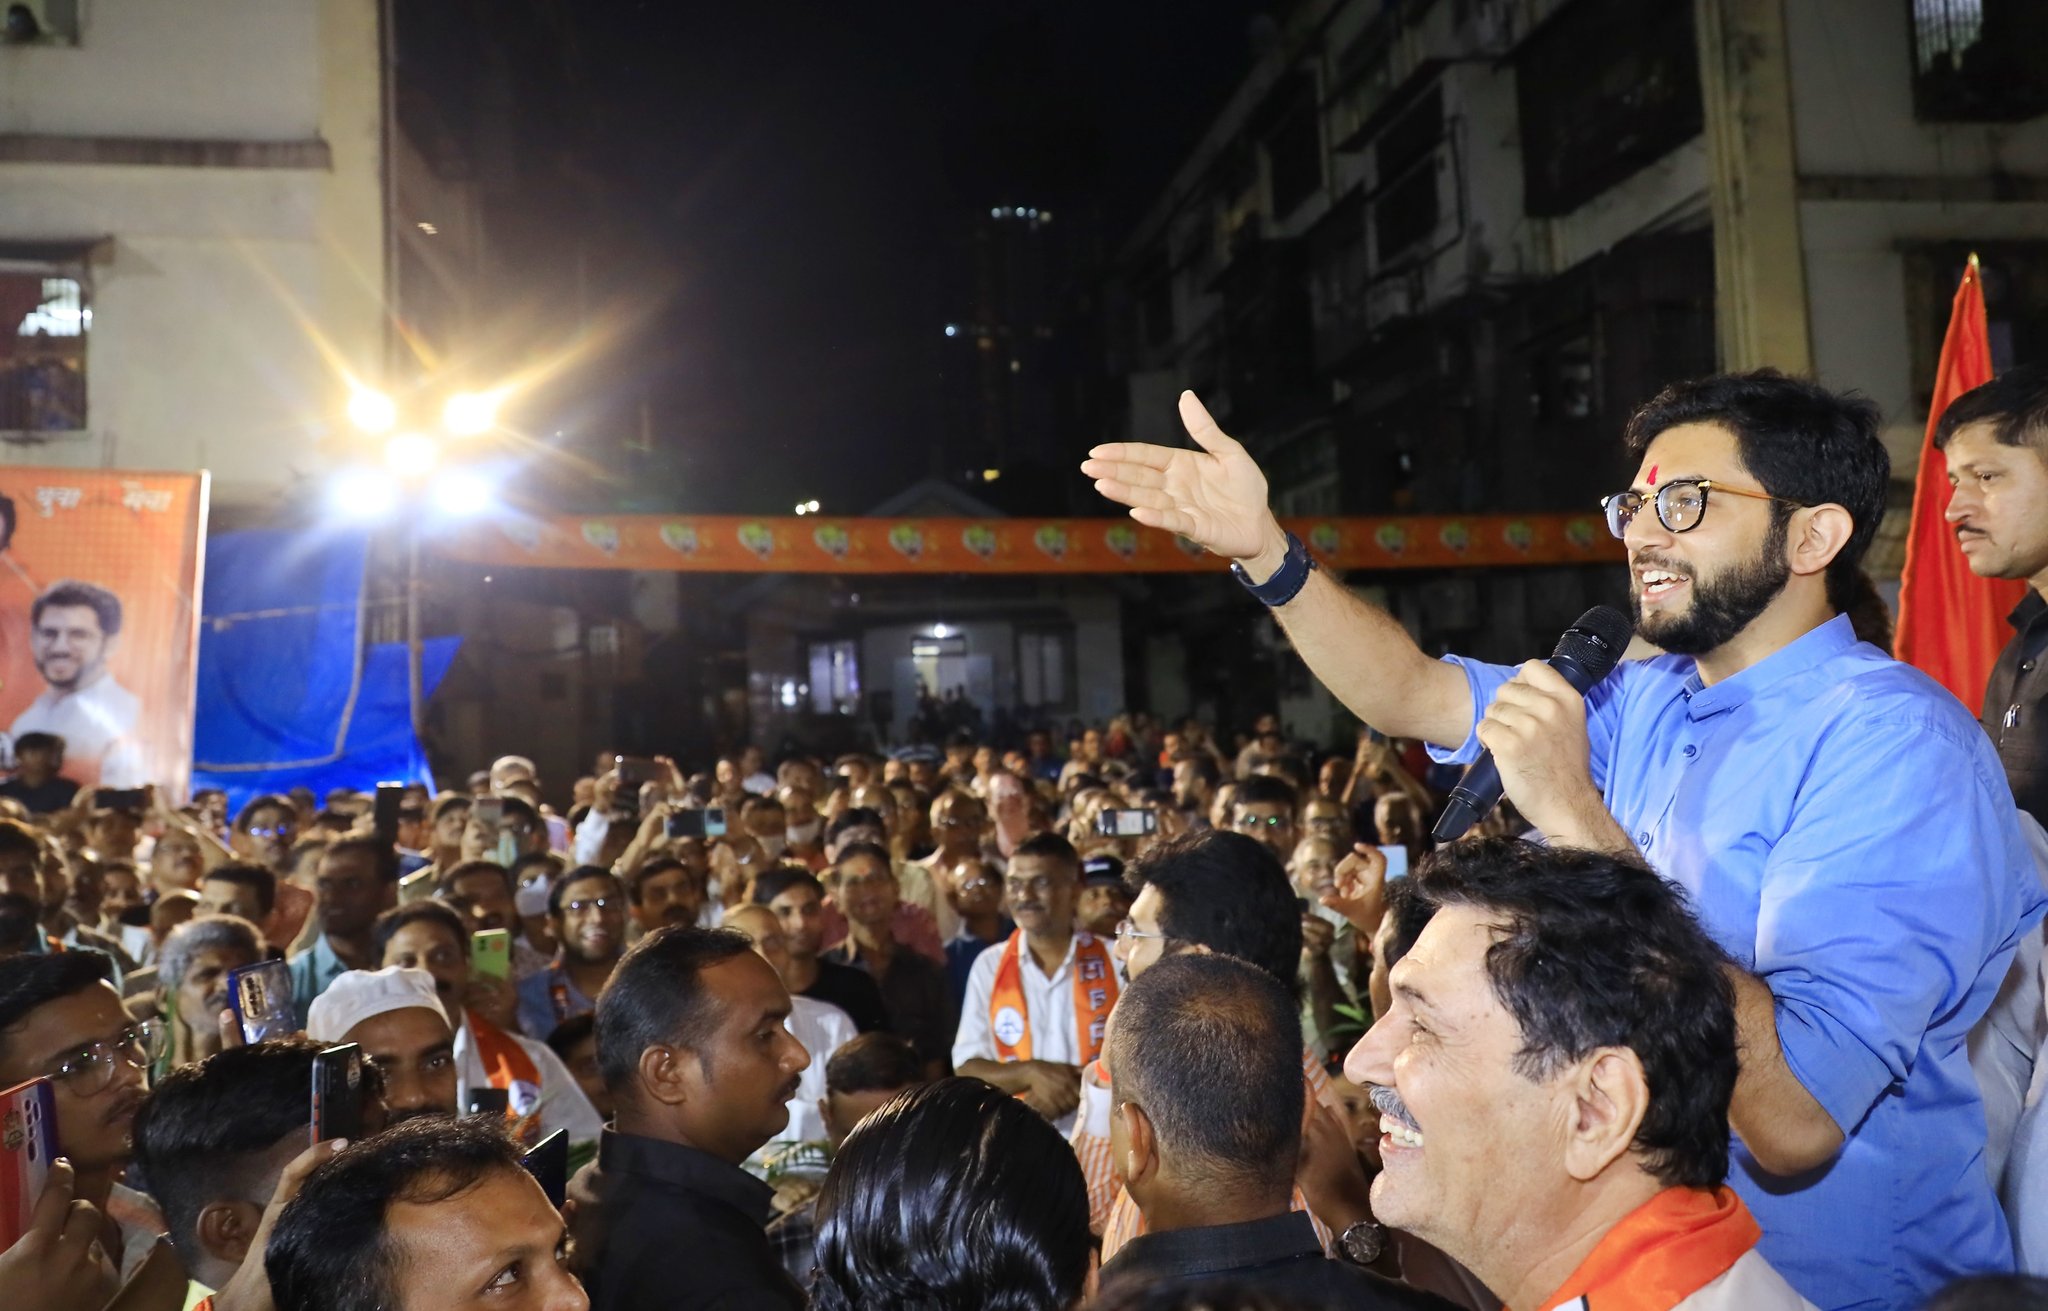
point(1595, 642)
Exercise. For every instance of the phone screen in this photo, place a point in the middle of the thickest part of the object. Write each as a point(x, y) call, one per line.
point(490, 953)
point(338, 1093)
point(489, 1101)
point(1397, 861)
point(706, 823)
point(261, 996)
point(384, 816)
point(1126, 824)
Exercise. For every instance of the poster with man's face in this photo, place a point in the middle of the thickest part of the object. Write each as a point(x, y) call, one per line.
point(99, 601)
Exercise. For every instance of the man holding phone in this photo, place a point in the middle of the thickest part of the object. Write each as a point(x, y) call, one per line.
point(395, 1016)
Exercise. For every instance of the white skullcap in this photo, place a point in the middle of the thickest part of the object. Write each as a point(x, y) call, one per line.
point(365, 994)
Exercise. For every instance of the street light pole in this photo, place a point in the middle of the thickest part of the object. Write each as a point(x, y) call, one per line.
point(414, 701)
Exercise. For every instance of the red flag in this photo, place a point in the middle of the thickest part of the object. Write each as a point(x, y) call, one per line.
point(1951, 622)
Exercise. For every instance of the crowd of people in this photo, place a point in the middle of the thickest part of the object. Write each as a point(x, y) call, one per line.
point(1734, 1003)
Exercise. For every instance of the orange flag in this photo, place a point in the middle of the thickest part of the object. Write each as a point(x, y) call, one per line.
point(1951, 622)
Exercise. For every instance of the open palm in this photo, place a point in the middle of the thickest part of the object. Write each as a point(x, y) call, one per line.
point(1214, 497)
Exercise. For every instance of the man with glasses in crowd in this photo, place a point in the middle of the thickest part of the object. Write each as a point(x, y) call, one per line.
point(1037, 1003)
point(1842, 825)
point(1263, 808)
point(61, 1019)
point(587, 911)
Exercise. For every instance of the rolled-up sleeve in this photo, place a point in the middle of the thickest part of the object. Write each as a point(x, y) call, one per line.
point(1893, 896)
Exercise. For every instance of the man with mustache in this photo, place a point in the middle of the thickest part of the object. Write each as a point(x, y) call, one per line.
point(395, 1015)
point(666, 891)
point(914, 991)
point(427, 935)
point(1842, 825)
point(587, 911)
point(61, 1019)
point(692, 1043)
point(1554, 1077)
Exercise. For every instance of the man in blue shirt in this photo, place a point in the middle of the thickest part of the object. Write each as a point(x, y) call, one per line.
point(1840, 822)
point(357, 880)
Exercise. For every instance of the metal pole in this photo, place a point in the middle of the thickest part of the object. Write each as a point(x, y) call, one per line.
point(414, 701)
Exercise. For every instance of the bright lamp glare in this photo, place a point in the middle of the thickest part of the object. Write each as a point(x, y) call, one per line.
point(460, 493)
point(470, 414)
point(411, 455)
point(363, 494)
point(372, 411)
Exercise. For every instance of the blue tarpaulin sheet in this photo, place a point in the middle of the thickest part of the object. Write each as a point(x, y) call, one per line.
point(289, 693)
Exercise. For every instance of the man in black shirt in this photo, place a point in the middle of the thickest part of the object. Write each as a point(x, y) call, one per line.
point(1996, 440)
point(1208, 1147)
point(37, 783)
point(798, 900)
point(691, 1043)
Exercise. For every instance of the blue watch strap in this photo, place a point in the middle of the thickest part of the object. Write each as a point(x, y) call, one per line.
point(1287, 581)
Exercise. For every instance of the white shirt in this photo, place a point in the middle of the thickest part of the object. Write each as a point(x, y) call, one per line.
point(823, 1029)
point(97, 723)
point(1048, 1001)
point(1751, 1284)
point(560, 1098)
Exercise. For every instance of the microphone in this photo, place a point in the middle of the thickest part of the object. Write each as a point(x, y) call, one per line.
point(1585, 654)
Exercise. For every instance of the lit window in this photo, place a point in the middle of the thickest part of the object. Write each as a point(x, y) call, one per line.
point(42, 359)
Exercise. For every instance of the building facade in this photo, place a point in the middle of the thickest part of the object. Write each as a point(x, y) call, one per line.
point(1432, 253)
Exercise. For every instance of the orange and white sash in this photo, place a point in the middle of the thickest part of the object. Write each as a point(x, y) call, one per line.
point(1663, 1252)
point(508, 1068)
point(1094, 984)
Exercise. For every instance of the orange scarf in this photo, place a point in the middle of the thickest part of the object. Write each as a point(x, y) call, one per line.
point(508, 1067)
point(1094, 982)
point(1663, 1252)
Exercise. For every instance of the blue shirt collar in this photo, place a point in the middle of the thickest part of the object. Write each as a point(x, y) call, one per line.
point(1809, 650)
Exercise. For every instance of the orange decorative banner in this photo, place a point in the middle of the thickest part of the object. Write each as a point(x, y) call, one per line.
point(799, 545)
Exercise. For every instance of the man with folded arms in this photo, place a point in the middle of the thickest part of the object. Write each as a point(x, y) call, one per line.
point(1553, 1079)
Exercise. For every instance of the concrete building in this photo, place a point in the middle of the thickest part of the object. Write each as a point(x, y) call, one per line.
point(1432, 252)
point(192, 211)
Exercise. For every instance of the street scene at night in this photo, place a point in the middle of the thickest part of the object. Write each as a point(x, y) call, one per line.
point(1149, 655)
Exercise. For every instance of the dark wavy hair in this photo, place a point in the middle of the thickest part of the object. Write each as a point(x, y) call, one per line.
point(953, 1197)
point(1798, 439)
point(1598, 952)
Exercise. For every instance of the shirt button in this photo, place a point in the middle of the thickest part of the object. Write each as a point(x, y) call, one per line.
point(1690, 752)
point(2026, 666)
point(1643, 838)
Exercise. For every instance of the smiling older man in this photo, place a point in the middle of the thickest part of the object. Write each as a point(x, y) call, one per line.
point(1554, 1078)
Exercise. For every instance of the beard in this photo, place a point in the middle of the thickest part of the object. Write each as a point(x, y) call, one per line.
point(1723, 605)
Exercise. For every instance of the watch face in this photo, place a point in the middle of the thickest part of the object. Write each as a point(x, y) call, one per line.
point(1363, 1242)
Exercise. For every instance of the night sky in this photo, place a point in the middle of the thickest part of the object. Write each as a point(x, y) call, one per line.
point(804, 172)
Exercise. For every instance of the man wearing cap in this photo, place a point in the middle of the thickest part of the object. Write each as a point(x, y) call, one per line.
point(1105, 899)
point(395, 1016)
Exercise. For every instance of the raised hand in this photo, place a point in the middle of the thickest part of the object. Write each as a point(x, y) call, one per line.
point(56, 1265)
point(1214, 497)
point(1360, 895)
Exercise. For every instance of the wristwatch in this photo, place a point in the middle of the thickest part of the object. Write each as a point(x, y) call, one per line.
point(1363, 1243)
point(1286, 582)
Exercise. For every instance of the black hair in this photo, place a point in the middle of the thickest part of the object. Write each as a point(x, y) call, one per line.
point(873, 1062)
point(105, 606)
point(653, 999)
point(197, 1134)
point(517, 808)
point(330, 1250)
point(469, 867)
point(2015, 403)
point(1233, 1120)
point(563, 1038)
point(866, 850)
point(853, 817)
point(1992, 1293)
point(558, 895)
point(1598, 952)
point(36, 741)
point(1264, 789)
point(21, 928)
point(29, 983)
point(1800, 441)
point(953, 1196)
point(383, 856)
point(452, 801)
point(245, 875)
point(655, 866)
point(1050, 846)
point(772, 882)
point(1143, 1290)
point(16, 836)
point(556, 866)
point(1410, 912)
point(268, 800)
point(1204, 766)
point(417, 912)
point(1226, 892)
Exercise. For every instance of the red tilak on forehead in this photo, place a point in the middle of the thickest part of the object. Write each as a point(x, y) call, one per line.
point(1653, 475)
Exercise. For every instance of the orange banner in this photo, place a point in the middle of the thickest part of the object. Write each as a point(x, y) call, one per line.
point(99, 599)
point(736, 544)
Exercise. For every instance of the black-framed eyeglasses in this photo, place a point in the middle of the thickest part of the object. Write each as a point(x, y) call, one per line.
point(582, 904)
point(1681, 504)
point(89, 1070)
